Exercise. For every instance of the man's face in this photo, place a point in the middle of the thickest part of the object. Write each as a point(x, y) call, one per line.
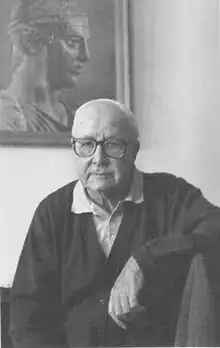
point(67, 54)
point(99, 172)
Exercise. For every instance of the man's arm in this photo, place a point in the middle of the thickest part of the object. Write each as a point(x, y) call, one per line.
point(35, 299)
point(193, 227)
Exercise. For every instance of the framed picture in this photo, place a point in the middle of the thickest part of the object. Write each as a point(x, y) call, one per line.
point(55, 55)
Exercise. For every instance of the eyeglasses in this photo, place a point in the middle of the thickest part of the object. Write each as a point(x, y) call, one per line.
point(85, 147)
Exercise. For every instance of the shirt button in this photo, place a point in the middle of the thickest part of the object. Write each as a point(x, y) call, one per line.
point(102, 301)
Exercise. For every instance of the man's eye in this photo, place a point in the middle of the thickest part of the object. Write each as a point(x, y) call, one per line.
point(87, 143)
point(114, 144)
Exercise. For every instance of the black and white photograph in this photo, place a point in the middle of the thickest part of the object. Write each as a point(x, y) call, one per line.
point(109, 173)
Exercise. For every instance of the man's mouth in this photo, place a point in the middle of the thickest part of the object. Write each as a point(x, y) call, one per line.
point(102, 173)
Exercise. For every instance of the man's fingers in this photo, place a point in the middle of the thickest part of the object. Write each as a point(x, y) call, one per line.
point(120, 323)
point(133, 302)
point(114, 311)
point(124, 303)
point(118, 304)
point(137, 309)
point(132, 315)
point(124, 310)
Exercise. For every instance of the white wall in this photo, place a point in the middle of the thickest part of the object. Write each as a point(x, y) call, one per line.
point(26, 177)
point(176, 91)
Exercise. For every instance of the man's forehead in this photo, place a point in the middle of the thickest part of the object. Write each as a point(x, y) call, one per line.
point(99, 117)
point(98, 111)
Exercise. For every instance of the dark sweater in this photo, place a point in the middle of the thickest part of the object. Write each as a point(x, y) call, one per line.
point(63, 280)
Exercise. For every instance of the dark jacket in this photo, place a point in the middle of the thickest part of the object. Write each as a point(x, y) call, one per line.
point(63, 280)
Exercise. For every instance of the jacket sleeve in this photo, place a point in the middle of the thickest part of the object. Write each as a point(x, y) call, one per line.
point(192, 227)
point(35, 319)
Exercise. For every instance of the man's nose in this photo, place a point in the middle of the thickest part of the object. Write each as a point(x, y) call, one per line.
point(84, 53)
point(99, 156)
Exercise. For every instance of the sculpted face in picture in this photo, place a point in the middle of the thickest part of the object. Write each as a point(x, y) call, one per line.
point(49, 49)
point(67, 55)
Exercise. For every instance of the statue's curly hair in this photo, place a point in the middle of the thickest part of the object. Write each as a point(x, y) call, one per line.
point(33, 24)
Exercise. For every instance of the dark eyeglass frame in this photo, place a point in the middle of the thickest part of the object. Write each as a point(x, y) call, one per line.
point(99, 142)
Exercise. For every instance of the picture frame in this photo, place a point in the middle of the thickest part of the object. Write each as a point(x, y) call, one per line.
point(121, 79)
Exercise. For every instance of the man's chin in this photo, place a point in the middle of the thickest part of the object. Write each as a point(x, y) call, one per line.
point(101, 187)
point(101, 183)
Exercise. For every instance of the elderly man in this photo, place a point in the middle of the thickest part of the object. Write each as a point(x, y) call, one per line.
point(49, 49)
point(107, 256)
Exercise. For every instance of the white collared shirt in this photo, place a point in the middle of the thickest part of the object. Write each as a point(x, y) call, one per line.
point(107, 224)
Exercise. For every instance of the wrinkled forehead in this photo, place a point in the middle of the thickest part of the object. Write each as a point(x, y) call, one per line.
point(101, 119)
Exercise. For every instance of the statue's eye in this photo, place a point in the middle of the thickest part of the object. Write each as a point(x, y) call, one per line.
point(73, 43)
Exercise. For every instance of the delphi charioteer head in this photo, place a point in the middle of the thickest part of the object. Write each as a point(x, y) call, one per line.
point(55, 34)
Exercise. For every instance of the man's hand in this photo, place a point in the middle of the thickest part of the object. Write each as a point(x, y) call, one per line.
point(123, 304)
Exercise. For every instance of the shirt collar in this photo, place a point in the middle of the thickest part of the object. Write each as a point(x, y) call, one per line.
point(82, 203)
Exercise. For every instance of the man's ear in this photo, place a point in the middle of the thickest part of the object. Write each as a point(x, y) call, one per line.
point(137, 146)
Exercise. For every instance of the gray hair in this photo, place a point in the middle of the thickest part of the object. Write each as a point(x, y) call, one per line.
point(125, 112)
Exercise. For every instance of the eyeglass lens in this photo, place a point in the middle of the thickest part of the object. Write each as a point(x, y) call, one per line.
point(112, 148)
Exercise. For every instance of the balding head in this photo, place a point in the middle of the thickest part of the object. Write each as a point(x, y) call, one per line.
point(105, 110)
